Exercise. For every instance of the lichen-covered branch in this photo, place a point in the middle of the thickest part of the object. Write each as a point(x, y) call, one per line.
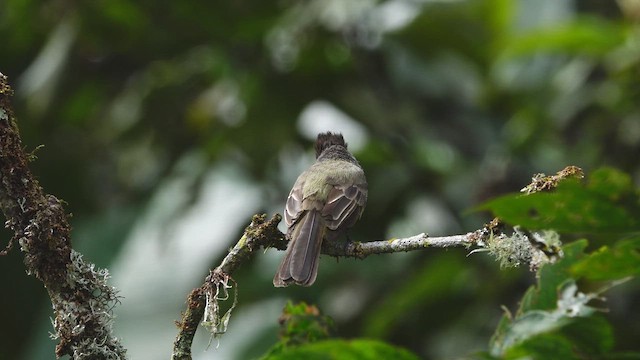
point(81, 298)
point(520, 247)
point(203, 302)
point(417, 242)
point(189, 324)
point(265, 234)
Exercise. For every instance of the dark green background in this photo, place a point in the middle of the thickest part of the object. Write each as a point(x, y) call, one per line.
point(460, 103)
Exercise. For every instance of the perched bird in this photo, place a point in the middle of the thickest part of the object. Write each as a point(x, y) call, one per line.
point(326, 200)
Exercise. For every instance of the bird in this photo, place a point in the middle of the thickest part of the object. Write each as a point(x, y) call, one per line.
point(326, 200)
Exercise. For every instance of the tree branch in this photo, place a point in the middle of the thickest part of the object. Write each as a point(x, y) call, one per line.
point(189, 324)
point(417, 242)
point(81, 298)
point(521, 247)
point(265, 234)
point(203, 302)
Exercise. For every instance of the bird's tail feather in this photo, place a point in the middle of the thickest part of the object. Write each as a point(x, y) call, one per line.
point(300, 264)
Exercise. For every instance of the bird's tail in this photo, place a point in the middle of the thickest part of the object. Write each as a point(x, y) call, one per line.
point(300, 263)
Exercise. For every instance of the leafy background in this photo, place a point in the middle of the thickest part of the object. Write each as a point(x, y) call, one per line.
point(165, 125)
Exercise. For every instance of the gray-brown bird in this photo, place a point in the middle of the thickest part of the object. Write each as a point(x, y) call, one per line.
point(326, 200)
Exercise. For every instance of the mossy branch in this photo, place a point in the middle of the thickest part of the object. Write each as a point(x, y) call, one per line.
point(81, 298)
point(203, 302)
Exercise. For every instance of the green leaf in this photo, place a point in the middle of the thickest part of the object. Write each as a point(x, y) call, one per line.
point(580, 339)
point(554, 317)
point(344, 350)
point(544, 346)
point(544, 295)
point(590, 336)
point(522, 331)
point(606, 204)
point(525, 327)
point(611, 183)
point(620, 261)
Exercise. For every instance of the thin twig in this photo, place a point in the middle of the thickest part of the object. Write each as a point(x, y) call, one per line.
point(417, 242)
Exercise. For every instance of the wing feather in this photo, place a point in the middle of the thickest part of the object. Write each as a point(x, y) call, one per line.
point(293, 208)
point(344, 205)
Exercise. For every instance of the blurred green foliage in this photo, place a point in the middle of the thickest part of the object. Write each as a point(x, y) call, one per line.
point(459, 102)
point(554, 318)
point(302, 323)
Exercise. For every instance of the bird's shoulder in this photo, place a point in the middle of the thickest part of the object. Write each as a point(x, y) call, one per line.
point(338, 172)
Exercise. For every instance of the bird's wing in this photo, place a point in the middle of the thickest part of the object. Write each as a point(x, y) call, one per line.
point(293, 207)
point(344, 205)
